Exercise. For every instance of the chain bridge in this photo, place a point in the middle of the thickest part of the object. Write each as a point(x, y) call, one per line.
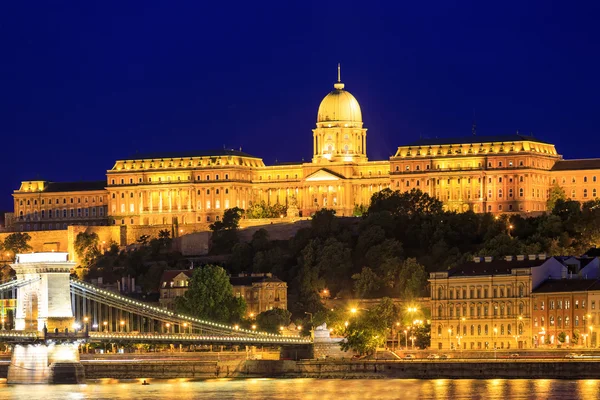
point(50, 306)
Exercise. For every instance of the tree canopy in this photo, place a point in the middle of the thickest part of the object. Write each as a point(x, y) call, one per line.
point(210, 296)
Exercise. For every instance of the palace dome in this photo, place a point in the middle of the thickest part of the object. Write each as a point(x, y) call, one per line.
point(339, 105)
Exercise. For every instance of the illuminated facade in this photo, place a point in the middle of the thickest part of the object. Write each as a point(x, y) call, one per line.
point(498, 174)
point(261, 292)
point(486, 303)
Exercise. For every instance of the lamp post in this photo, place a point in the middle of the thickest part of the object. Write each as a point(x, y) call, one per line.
point(122, 324)
point(494, 341)
point(449, 338)
point(406, 339)
point(105, 324)
point(591, 334)
point(312, 328)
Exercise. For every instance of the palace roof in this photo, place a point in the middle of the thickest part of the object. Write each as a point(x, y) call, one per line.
point(475, 140)
point(569, 165)
point(188, 154)
point(74, 186)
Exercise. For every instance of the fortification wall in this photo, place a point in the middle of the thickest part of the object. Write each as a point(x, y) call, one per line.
point(191, 239)
point(45, 240)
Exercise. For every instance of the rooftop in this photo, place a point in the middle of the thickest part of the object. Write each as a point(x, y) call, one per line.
point(475, 140)
point(564, 285)
point(494, 267)
point(189, 154)
point(583, 164)
point(74, 186)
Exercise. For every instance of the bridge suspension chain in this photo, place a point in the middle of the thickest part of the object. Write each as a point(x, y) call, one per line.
point(146, 310)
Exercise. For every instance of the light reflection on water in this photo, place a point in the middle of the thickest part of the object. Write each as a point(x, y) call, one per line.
point(311, 389)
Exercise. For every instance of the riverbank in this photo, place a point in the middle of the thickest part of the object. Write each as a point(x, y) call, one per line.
point(341, 369)
point(454, 369)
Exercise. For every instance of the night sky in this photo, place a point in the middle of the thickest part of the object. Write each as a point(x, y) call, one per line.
point(84, 83)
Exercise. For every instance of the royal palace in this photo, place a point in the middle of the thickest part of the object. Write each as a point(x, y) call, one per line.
point(499, 174)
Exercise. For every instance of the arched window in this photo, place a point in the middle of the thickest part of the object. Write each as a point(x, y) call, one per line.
point(479, 330)
point(464, 330)
point(566, 322)
point(508, 329)
point(472, 330)
point(520, 329)
point(439, 293)
point(502, 329)
point(559, 322)
point(439, 329)
point(439, 311)
point(485, 330)
point(551, 319)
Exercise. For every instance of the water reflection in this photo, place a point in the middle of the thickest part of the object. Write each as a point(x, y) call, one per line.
point(311, 389)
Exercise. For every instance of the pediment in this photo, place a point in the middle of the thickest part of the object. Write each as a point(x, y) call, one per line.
point(324, 175)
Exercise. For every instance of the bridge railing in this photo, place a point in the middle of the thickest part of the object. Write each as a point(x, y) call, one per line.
point(151, 311)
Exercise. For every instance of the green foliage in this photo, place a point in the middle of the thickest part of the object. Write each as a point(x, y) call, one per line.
point(210, 296)
point(86, 248)
point(556, 193)
point(143, 240)
point(359, 210)
point(16, 243)
point(412, 280)
point(272, 320)
point(224, 235)
point(264, 210)
point(576, 336)
point(561, 337)
point(367, 330)
point(412, 204)
point(366, 282)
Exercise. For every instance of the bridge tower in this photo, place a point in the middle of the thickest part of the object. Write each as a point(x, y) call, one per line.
point(46, 298)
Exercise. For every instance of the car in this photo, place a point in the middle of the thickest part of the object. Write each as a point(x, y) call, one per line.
point(444, 357)
point(433, 357)
point(409, 357)
point(572, 355)
point(514, 355)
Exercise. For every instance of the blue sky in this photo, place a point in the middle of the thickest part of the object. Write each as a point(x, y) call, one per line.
point(85, 83)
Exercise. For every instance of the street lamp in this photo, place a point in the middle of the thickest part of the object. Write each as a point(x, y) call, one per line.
point(85, 323)
point(105, 323)
point(168, 325)
point(122, 323)
point(449, 337)
point(494, 340)
point(353, 310)
point(406, 339)
point(185, 325)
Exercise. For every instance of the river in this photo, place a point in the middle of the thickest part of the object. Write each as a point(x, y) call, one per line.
point(308, 389)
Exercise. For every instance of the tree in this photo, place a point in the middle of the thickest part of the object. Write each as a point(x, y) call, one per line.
point(86, 248)
point(412, 279)
point(368, 330)
point(143, 240)
point(210, 296)
point(272, 320)
point(224, 234)
point(411, 204)
point(556, 193)
point(16, 243)
point(324, 223)
point(561, 337)
point(576, 335)
point(366, 283)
